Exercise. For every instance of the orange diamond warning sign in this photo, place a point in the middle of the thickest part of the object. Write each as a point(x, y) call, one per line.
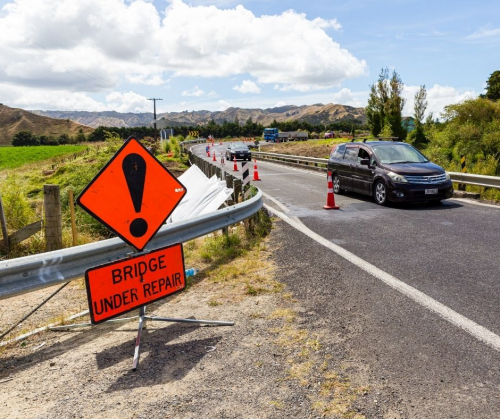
point(118, 287)
point(133, 194)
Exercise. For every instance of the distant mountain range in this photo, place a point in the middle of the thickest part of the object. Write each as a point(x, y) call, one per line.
point(314, 114)
point(13, 120)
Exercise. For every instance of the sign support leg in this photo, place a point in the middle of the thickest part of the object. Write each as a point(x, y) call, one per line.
point(142, 318)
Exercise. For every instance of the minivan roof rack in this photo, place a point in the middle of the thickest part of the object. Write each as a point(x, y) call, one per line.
point(388, 138)
point(364, 139)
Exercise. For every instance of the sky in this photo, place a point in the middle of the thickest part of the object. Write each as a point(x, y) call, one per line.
point(98, 55)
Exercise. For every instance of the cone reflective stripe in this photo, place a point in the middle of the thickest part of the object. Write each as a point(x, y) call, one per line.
point(255, 171)
point(330, 197)
point(214, 159)
point(235, 166)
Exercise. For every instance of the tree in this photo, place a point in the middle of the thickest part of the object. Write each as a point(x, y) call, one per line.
point(25, 138)
point(385, 105)
point(417, 136)
point(493, 86)
point(472, 128)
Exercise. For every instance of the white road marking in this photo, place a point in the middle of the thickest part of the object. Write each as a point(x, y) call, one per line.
point(471, 201)
point(474, 329)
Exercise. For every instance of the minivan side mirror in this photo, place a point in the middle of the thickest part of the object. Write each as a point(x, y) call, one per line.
point(364, 162)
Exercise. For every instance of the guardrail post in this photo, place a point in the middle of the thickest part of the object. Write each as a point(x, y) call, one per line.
point(229, 184)
point(53, 224)
point(4, 227)
point(236, 190)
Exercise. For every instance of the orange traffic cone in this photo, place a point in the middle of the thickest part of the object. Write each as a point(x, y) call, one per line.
point(330, 197)
point(255, 171)
point(235, 166)
point(214, 159)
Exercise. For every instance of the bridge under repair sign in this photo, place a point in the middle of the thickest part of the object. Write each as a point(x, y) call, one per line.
point(118, 287)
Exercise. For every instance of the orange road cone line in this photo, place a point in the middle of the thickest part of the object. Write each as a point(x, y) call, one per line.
point(235, 166)
point(255, 171)
point(330, 197)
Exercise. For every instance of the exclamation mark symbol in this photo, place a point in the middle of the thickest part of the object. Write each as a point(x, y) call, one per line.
point(134, 169)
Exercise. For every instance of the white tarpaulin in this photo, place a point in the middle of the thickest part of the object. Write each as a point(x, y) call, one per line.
point(203, 195)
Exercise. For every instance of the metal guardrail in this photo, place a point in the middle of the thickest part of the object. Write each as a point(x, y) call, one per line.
point(476, 180)
point(288, 157)
point(320, 164)
point(29, 273)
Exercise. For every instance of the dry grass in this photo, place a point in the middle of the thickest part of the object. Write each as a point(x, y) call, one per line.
point(312, 148)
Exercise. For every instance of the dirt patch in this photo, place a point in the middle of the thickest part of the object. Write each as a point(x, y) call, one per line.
point(266, 365)
point(320, 149)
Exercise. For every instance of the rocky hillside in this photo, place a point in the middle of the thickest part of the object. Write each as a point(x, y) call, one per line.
point(13, 120)
point(315, 114)
point(106, 119)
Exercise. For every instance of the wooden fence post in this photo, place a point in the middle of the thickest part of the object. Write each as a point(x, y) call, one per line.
point(4, 227)
point(53, 224)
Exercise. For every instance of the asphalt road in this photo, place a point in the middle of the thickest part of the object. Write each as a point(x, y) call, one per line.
point(423, 361)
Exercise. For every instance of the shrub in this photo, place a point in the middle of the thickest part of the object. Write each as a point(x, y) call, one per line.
point(18, 212)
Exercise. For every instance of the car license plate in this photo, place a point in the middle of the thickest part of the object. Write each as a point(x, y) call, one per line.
point(431, 191)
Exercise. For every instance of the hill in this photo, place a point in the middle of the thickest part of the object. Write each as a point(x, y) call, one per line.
point(315, 114)
point(105, 119)
point(13, 120)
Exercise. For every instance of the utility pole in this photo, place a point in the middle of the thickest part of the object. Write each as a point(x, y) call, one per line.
point(154, 107)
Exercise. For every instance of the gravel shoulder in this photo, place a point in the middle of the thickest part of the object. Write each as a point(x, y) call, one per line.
point(268, 365)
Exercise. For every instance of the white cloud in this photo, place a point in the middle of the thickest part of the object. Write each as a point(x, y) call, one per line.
point(128, 102)
point(279, 104)
point(88, 45)
point(286, 49)
point(247, 86)
point(485, 32)
point(223, 105)
point(437, 97)
point(195, 91)
point(94, 45)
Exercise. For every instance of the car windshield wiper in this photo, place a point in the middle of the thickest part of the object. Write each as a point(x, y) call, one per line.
point(407, 161)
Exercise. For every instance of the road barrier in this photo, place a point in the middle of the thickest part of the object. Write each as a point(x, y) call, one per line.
point(30, 273)
point(315, 163)
point(330, 197)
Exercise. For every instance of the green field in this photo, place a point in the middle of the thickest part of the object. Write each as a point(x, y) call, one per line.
point(12, 157)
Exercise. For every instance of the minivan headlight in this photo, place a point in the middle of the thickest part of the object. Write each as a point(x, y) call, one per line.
point(447, 175)
point(397, 178)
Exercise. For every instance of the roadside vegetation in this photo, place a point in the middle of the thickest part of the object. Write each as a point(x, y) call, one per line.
point(70, 167)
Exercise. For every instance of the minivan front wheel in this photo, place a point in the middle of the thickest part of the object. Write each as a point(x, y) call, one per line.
point(336, 186)
point(380, 193)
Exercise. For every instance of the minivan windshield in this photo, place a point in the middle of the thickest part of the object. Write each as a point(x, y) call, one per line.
point(240, 147)
point(398, 153)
